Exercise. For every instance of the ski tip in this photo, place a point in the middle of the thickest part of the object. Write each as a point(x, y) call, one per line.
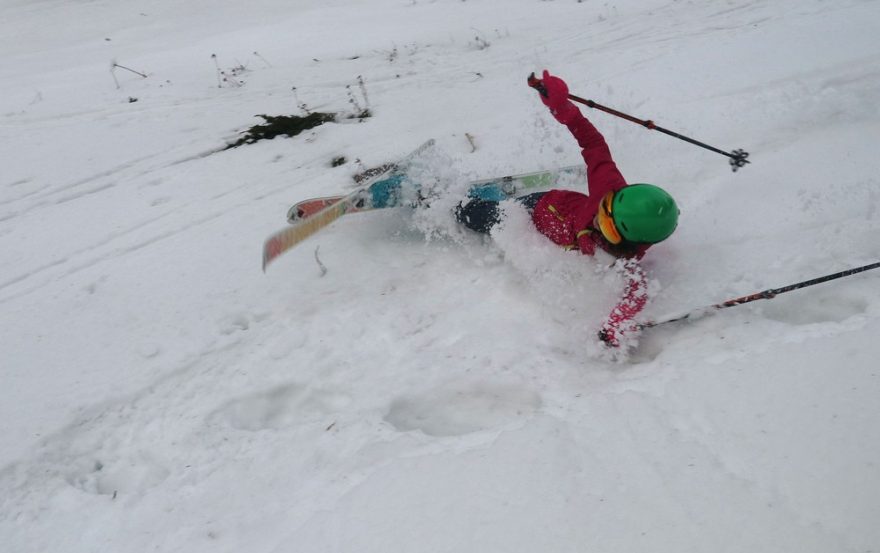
point(271, 250)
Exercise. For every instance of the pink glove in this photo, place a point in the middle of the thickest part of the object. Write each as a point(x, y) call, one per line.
point(608, 336)
point(557, 98)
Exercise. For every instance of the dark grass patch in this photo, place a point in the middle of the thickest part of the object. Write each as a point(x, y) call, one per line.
point(282, 125)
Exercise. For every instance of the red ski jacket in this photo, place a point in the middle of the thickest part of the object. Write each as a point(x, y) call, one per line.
point(566, 217)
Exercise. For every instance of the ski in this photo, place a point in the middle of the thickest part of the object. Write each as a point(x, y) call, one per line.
point(497, 188)
point(289, 237)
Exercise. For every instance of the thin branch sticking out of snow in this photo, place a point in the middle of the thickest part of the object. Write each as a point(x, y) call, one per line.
point(318, 260)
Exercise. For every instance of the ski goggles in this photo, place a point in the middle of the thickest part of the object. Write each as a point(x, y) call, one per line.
point(606, 221)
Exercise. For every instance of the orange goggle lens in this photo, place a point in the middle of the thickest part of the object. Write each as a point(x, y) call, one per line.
point(606, 223)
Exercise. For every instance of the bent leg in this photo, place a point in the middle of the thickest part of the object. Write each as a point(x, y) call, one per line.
point(479, 215)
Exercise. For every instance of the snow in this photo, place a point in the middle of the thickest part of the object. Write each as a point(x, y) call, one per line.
point(435, 390)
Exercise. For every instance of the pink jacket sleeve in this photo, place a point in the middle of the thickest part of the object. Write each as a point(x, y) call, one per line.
point(620, 321)
point(603, 175)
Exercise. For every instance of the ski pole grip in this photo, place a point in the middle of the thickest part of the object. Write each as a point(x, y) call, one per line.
point(537, 84)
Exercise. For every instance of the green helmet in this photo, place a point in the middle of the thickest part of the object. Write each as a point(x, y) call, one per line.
point(644, 213)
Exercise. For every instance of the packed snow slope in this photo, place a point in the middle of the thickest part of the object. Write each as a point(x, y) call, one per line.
point(434, 390)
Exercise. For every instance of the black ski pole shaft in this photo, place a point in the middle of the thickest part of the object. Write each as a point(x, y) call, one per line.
point(765, 295)
point(737, 157)
point(648, 124)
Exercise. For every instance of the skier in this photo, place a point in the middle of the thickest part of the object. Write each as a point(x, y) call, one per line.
point(623, 220)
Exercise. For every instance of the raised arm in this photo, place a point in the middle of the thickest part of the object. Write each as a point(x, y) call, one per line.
point(602, 173)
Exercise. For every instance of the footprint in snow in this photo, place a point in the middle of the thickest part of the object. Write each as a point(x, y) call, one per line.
point(462, 410)
point(240, 322)
point(132, 472)
point(280, 407)
point(234, 323)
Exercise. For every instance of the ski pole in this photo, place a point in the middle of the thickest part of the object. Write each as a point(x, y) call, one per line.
point(765, 295)
point(737, 157)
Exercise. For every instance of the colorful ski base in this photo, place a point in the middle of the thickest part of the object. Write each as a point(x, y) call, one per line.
point(497, 188)
point(289, 237)
point(307, 208)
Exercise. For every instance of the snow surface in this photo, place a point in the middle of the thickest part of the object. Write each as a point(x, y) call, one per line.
point(435, 390)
